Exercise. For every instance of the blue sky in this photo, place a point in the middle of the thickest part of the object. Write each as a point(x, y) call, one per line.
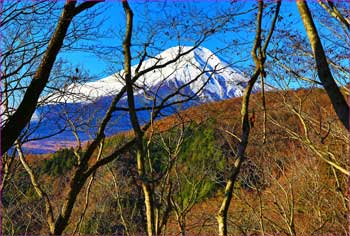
point(149, 16)
point(145, 14)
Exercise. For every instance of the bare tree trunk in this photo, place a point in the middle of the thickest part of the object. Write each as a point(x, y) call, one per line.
point(38, 189)
point(140, 158)
point(88, 190)
point(147, 192)
point(76, 185)
point(338, 101)
point(182, 226)
point(348, 180)
point(334, 12)
point(26, 108)
point(223, 211)
point(259, 56)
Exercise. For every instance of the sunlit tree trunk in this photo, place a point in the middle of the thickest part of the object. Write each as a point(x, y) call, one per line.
point(140, 157)
point(223, 211)
point(38, 189)
point(338, 101)
point(259, 56)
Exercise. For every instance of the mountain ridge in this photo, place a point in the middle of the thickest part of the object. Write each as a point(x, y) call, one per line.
point(225, 79)
point(200, 75)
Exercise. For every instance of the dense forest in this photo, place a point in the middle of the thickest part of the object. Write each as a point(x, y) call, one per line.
point(269, 157)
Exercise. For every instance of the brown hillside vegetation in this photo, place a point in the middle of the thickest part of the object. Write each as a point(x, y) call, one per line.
point(293, 184)
point(272, 162)
point(298, 193)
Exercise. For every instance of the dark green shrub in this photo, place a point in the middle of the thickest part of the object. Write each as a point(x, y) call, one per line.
point(62, 161)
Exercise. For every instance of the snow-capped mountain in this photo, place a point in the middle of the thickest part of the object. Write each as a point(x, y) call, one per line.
point(200, 66)
point(200, 74)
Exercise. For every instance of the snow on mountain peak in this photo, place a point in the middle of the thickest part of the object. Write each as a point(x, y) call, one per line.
point(201, 68)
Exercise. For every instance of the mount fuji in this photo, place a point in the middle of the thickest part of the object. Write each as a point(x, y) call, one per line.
point(200, 75)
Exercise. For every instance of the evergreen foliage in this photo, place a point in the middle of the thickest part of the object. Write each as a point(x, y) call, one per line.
point(62, 161)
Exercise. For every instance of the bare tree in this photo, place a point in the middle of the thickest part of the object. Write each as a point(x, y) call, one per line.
point(87, 165)
point(323, 70)
point(259, 57)
point(19, 119)
point(333, 10)
point(139, 133)
point(160, 187)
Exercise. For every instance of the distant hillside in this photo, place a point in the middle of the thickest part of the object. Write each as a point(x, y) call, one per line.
point(200, 74)
point(280, 179)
